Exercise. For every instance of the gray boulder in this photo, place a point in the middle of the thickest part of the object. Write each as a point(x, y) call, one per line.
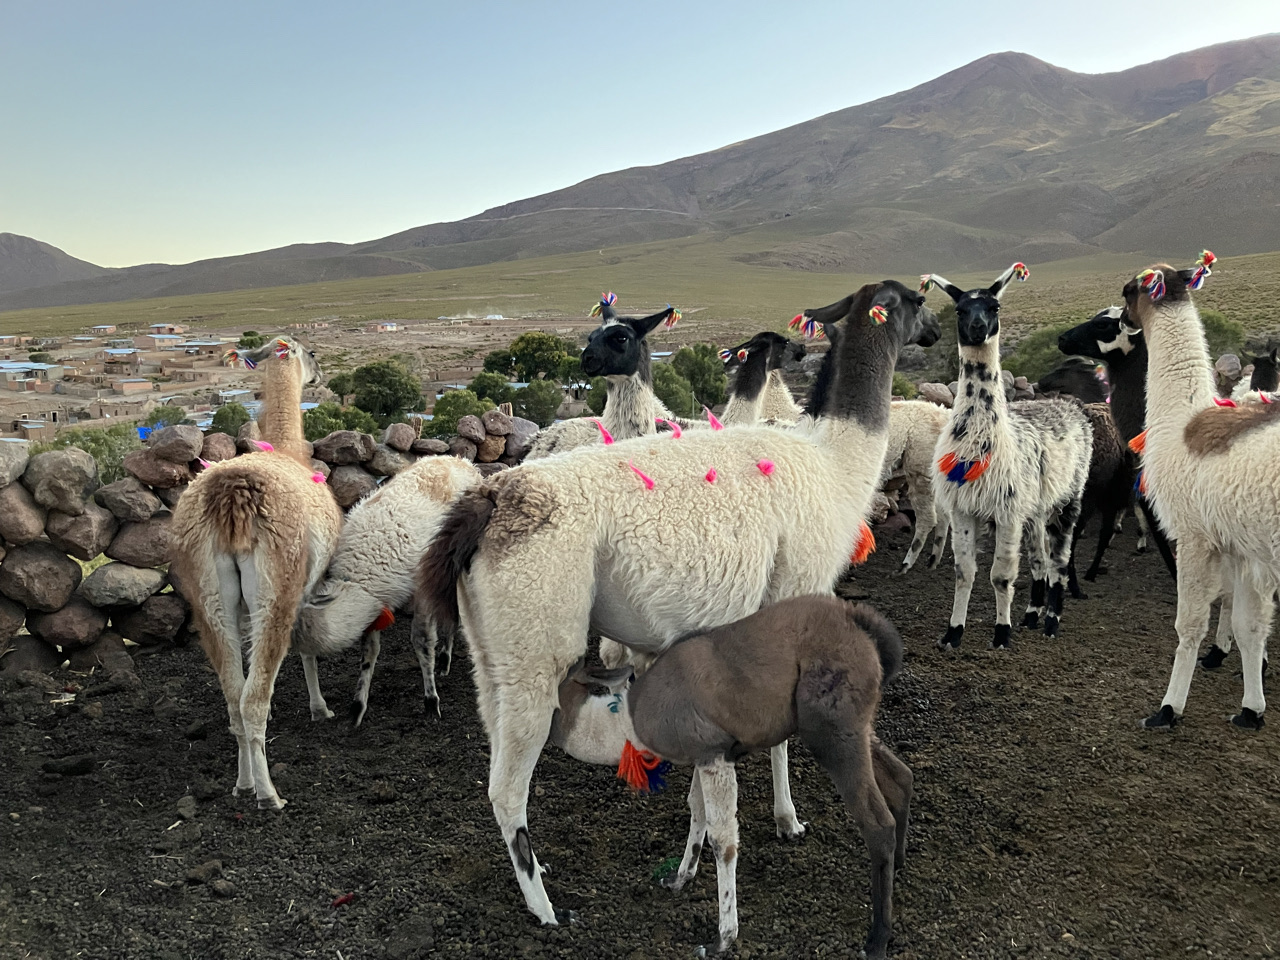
point(462, 447)
point(62, 479)
point(429, 446)
point(29, 653)
point(322, 468)
point(399, 436)
point(39, 576)
point(937, 393)
point(181, 443)
point(121, 585)
point(218, 446)
point(520, 439)
point(144, 544)
point(386, 462)
point(84, 536)
point(489, 469)
point(350, 484)
point(496, 423)
point(157, 621)
point(169, 495)
point(471, 428)
point(21, 518)
point(13, 460)
point(154, 471)
point(912, 357)
point(11, 618)
point(77, 624)
point(344, 448)
point(129, 499)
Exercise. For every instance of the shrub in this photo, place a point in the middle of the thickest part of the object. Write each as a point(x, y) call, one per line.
point(570, 372)
point(493, 386)
point(40, 357)
point(539, 401)
point(674, 391)
point(701, 366)
point(1037, 353)
point(598, 395)
point(323, 419)
point(107, 447)
point(229, 418)
point(165, 417)
point(451, 408)
point(386, 390)
point(1223, 335)
point(536, 354)
point(343, 384)
point(903, 387)
point(250, 340)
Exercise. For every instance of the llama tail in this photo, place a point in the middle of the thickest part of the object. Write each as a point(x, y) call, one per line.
point(450, 554)
point(235, 508)
point(885, 636)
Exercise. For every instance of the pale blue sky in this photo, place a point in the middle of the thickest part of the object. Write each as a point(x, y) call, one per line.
point(144, 131)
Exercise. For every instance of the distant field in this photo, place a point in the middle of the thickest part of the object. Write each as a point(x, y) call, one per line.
point(720, 296)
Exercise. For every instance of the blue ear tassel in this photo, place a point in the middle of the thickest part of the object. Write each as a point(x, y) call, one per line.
point(658, 776)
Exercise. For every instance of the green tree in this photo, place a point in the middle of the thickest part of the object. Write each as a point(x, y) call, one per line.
point(451, 408)
point(674, 390)
point(165, 416)
point(40, 357)
point(343, 384)
point(229, 418)
point(570, 372)
point(107, 447)
point(492, 386)
point(500, 362)
point(539, 401)
point(536, 354)
point(903, 387)
point(325, 418)
point(598, 395)
point(702, 367)
point(250, 340)
point(1223, 335)
point(385, 390)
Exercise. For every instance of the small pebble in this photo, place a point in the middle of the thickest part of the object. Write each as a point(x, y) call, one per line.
point(198, 730)
point(92, 710)
point(69, 766)
point(205, 873)
point(223, 888)
point(187, 807)
point(278, 770)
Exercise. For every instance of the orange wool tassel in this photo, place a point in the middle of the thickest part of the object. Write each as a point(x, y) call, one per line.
point(385, 619)
point(642, 771)
point(1139, 443)
point(865, 546)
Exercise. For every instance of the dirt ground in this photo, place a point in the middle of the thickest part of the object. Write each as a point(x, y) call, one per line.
point(1045, 821)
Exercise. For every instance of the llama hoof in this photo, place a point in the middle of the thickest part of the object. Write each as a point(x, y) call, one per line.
point(713, 949)
point(566, 918)
point(951, 639)
point(356, 712)
point(1164, 719)
point(1051, 625)
point(272, 803)
point(239, 791)
point(1003, 639)
point(431, 705)
point(1078, 594)
point(1213, 658)
point(321, 713)
point(674, 881)
point(1246, 719)
point(791, 835)
point(1031, 620)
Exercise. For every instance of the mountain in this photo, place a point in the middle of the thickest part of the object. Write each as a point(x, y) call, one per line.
point(28, 263)
point(1005, 157)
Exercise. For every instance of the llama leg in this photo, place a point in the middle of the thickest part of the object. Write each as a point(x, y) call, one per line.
point(1073, 584)
point(1157, 534)
point(370, 647)
point(1251, 621)
point(896, 782)
point(1143, 532)
point(720, 794)
point(1004, 571)
point(1059, 532)
point(521, 721)
point(218, 623)
point(940, 532)
point(319, 709)
point(448, 652)
point(1199, 580)
point(1217, 653)
point(964, 531)
point(926, 521)
point(1110, 523)
point(1034, 539)
point(423, 636)
point(697, 834)
point(786, 822)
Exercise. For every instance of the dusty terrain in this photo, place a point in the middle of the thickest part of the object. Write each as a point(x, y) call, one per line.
point(1045, 822)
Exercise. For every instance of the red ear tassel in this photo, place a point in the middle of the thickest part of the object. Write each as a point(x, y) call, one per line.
point(1224, 401)
point(642, 771)
point(1139, 443)
point(865, 546)
point(384, 619)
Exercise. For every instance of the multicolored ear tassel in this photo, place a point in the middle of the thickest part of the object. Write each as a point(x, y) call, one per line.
point(204, 464)
point(675, 317)
point(676, 432)
point(596, 310)
point(765, 466)
point(926, 282)
point(608, 299)
point(811, 329)
point(959, 471)
point(878, 314)
point(384, 619)
point(1151, 282)
point(1207, 260)
point(1139, 443)
point(1224, 401)
point(233, 356)
point(865, 545)
point(605, 436)
point(642, 771)
point(1020, 271)
point(282, 349)
point(648, 481)
point(742, 355)
point(726, 355)
point(711, 475)
point(1264, 398)
point(711, 419)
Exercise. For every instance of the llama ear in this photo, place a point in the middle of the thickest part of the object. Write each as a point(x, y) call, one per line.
point(616, 679)
point(885, 301)
point(643, 326)
point(930, 280)
point(1018, 270)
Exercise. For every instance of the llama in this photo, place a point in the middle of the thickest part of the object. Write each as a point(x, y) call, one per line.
point(1076, 377)
point(371, 573)
point(1021, 466)
point(1108, 491)
point(1207, 467)
point(637, 534)
point(618, 351)
point(1263, 382)
point(914, 428)
point(757, 391)
point(1110, 337)
point(811, 666)
point(251, 538)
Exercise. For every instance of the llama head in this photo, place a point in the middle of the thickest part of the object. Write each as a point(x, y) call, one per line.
point(1266, 370)
point(771, 346)
point(618, 348)
point(591, 727)
point(977, 310)
point(333, 613)
point(282, 350)
point(1076, 377)
point(1161, 283)
point(1107, 334)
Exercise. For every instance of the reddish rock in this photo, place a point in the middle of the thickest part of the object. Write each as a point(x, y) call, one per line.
point(399, 436)
point(157, 621)
point(62, 479)
point(429, 446)
point(144, 544)
point(520, 440)
point(218, 446)
point(344, 448)
point(350, 484)
point(936, 393)
point(77, 624)
point(490, 448)
point(39, 576)
point(496, 423)
point(21, 518)
point(84, 536)
point(154, 471)
point(471, 428)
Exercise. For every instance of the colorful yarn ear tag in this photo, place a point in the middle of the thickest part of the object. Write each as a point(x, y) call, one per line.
point(642, 771)
point(742, 354)
point(384, 619)
point(1151, 282)
point(318, 477)
point(926, 282)
point(1264, 398)
point(811, 329)
point(673, 318)
point(959, 471)
point(711, 419)
point(595, 311)
point(648, 481)
point(878, 314)
point(608, 299)
point(282, 349)
point(605, 436)
point(865, 545)
point(204, 464)
point(726, 355)
point(1224, 401)
point(1139, 443)
point(765, 466)
point(711, 475)
point(1202, 271)
point(676, 432)
point(1020, 271)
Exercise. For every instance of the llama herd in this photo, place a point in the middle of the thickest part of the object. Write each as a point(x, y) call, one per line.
point(723, 639)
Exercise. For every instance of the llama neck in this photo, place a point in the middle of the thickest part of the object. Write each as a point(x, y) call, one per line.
point(863, 377)
point(281, 417)
point(778, 401)
point(1129, 389)
point(630, 407)
point(981, 410)
point(1179, 373)
point(747, 400)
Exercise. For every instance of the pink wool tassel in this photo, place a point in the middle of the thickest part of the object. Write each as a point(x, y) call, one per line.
point(648, 481)
point(1224, 401)
point(605, 436)
point(711, 475)
point(264, 446)
point(676, 432)
point(711, 419)
point(204, 464)
point(317, 477)
point(765, 467)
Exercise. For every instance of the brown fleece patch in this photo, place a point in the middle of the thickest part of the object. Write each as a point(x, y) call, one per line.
point(436, 485)
point(1214, 430)
point(234, 505)
point(523, 504)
